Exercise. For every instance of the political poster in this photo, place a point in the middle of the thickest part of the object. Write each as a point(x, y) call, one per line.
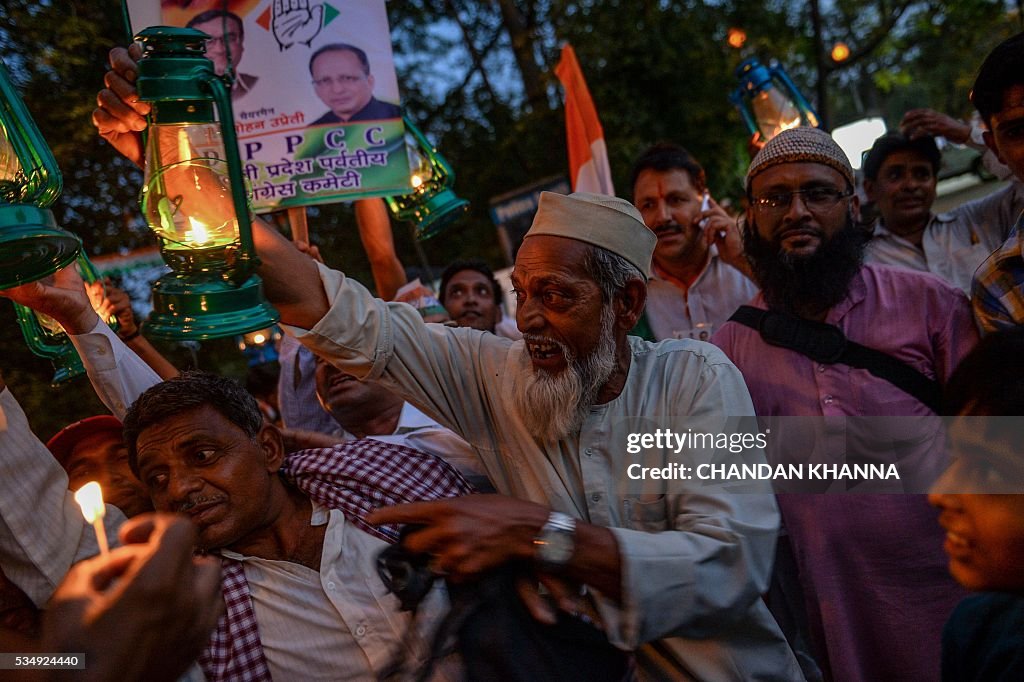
point(315, 97)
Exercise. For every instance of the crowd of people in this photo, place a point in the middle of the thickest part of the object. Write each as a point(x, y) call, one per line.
point(440, 492)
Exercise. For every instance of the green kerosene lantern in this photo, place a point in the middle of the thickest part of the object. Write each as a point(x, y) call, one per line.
point(46, 337)
point(194, 195)
point(31, 244)
point(432, 206)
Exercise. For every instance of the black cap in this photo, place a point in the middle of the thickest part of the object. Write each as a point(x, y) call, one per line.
point(895, 142)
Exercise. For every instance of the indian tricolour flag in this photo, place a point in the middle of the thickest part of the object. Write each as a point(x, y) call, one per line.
point(588, 157)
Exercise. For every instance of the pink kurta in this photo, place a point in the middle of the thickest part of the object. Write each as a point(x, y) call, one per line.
point(872, 568)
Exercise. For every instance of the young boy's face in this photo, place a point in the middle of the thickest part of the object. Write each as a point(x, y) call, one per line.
point(984, 535)
point(1006, 135)
point(984, 530)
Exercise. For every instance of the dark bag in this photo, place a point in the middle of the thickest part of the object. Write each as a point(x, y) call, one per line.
point(497, 638)
point(827, 344)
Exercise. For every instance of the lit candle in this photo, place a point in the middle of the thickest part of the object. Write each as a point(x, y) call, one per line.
point(90, 498)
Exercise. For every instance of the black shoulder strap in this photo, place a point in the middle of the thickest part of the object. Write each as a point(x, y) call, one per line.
point(826, 343)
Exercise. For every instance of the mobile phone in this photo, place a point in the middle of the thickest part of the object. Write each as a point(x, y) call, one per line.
point(705, 204)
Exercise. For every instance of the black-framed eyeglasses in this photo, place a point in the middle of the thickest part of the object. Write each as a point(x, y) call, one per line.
point(815, 199)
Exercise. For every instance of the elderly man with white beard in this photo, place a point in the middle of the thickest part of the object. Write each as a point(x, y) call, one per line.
point(676, 577)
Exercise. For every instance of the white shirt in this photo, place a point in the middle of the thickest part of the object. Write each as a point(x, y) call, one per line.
point(954, 243)
point(691, 560)
point(338, 623)
point(703, 308)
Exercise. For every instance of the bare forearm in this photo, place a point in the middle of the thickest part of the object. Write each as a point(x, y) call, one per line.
point(378, 242)
point(291, 280)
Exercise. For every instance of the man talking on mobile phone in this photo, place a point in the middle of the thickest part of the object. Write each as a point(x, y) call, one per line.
point(699, 274)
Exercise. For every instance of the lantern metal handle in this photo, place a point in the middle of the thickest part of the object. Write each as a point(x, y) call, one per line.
point(43, 180)
point(222, 99)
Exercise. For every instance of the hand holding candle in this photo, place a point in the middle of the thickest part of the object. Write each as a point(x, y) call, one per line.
point(90, 498)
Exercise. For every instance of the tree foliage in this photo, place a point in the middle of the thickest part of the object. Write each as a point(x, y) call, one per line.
point(477, 75)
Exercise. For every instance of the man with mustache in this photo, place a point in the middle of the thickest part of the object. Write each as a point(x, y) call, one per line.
point(207, 453)
point(675, 577)
point(868, 564)
point(900, 176)
point(299, 561)
point(699, 275)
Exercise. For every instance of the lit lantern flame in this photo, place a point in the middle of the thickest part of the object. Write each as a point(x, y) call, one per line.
point(198, 234)
point(259, 338)
point(416, 180)
point(786, 125)
point(90, 498)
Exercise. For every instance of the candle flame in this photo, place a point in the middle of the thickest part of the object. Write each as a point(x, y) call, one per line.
point(259, 338)
point(198, 234)
point(90, 498)
point(416, 180)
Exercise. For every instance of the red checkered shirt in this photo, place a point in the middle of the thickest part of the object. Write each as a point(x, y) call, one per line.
point(355, 478)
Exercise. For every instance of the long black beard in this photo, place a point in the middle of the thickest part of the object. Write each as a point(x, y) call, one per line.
point(806, 286)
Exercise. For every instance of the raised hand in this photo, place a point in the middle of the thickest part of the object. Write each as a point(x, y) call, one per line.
point(920, 122)
point(119, 116)
point(121, 307)
point(62, 296)
point(723, 231)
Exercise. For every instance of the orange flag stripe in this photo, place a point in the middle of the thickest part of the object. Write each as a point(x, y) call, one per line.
point(582, 126)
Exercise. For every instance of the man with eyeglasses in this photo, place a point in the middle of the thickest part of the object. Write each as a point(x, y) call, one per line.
point(342, 80)
point(225, 48)
point(900, 177)
point(870, 566)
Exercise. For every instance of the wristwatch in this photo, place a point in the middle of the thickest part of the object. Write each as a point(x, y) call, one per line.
point(556, 542)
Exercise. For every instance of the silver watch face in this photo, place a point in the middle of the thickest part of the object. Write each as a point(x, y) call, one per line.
point(556, 546)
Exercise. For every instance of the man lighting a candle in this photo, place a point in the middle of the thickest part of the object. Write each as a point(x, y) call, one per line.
point(204, 451)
